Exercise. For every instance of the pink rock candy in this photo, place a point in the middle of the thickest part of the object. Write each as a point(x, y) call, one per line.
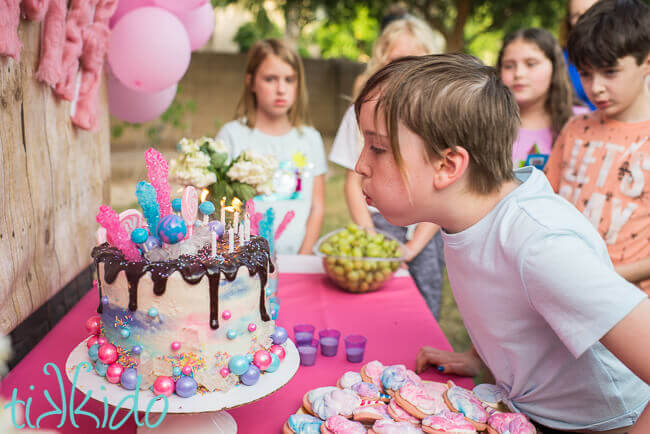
point(158, 172)
point(108, 218)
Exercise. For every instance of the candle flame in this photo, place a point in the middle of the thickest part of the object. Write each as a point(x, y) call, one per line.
point(236, 204)
point(204, 194)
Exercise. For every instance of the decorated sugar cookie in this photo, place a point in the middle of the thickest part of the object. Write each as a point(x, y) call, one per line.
point(392, 427)
point(447, 421)
point(302, 424)
point(401, 415)
point(415, 399)
point(509, 423)
point(341, 425)
point(463, 401)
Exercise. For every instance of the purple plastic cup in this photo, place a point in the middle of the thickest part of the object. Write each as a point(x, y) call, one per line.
point(303, 334)
point(329, 342)
point(355, 346)
point(307, 352)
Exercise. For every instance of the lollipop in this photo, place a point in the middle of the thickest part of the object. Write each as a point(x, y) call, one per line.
point(206, 208)
point(176, 205)
point(189, 207)
point(139, 236)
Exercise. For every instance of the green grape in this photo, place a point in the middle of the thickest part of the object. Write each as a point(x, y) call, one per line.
point(347, 265)
point(326, 248)
point(356, 251)
point(367, 265)
point(364, 286)
point(338, 270)
point(358, 265)
point(353, 275)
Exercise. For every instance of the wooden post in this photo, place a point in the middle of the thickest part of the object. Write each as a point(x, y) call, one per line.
point(53, 178)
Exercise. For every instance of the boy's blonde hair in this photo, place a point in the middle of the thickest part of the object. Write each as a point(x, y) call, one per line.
point(259, 51)
point(449, 100)
point(419, 30)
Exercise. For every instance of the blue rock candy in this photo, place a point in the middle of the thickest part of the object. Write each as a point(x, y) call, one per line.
point(146, 195)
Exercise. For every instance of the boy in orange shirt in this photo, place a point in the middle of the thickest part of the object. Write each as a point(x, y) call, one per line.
point(601, 161)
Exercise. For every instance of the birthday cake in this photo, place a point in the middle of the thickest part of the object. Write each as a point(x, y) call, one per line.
point(183, 308)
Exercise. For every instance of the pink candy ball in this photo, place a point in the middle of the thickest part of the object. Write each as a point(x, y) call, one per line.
point(114, 372)
point(92, 341)
point(163, 386)
point(226, 314)
point(101, 340)
point(93, 324)
point(107, 353)
point(224, 372)
point(187, 370)
point(252, 327)
point(278, 351)
point(262, 359)
point(176, 346)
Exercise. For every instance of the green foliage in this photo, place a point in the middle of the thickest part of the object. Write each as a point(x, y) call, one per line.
point(352, 40)
point(261, 28)
point(172, 118)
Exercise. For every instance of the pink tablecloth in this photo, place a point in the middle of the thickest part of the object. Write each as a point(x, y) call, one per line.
point(395, 320)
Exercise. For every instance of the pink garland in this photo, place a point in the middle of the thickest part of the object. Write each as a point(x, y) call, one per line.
point(108, 218)
point(158, 172)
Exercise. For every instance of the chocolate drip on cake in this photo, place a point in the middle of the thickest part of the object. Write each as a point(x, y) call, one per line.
point(254, 256)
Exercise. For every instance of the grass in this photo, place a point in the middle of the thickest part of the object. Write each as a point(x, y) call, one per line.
point(336, 215)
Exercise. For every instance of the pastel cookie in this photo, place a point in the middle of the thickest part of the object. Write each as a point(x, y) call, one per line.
point(392, 427)
point(412, 376)
point(490, 394)
point(371, 372)
point(434, 389)
point(400, 415)
point(447, 421)
point(371, 413)
point(393, 378)
point(302, 424)
point(414, 399)
point(340, 402)
point(510, 423)
point(313, 395)
point(349, 379)
point(463, 401)
point(367, 391)
point(341, 425)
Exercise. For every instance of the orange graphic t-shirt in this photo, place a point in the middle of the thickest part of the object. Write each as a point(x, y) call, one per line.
point(602, 166)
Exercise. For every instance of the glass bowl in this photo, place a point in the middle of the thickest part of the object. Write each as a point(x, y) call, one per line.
point(359, 274)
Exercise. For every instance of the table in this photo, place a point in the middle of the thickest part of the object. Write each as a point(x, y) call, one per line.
point(395, 320)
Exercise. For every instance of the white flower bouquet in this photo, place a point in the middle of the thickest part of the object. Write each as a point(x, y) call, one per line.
point(204, 163)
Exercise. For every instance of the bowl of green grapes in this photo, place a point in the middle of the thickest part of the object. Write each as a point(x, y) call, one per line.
point(359, 261)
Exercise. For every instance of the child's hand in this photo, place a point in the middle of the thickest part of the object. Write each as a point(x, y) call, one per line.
point(467, 364)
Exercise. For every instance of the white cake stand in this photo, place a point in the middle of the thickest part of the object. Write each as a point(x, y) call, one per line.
point(198, 414)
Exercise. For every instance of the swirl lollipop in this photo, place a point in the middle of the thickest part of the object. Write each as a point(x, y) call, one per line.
point(189, 207)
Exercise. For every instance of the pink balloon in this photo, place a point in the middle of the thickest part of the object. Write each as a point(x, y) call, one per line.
point(124, 6)
point(137, 107)
point(149, 49)
point(199, 24)
point(180, 5)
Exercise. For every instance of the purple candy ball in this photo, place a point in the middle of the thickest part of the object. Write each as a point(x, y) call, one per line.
point(186, 387)
point(279, 336)
point(129, 378)
point(152, 242)
point(251, 375)
point(216, 226)
point(172, 229)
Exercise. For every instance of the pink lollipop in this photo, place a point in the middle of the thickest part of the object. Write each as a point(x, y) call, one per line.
point(108, 218)
point(189, 208)
point(158, 171)
point(132, 219)
point(284, 223)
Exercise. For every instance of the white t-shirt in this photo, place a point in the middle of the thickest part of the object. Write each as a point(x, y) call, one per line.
point(537, 291)
point(238, 137)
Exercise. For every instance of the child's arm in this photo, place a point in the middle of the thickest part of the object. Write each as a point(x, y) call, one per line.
point(355, 200)
point(315, 220)
point(421, 237)
point(635, 272)
point(629, 340)
point(468, 364)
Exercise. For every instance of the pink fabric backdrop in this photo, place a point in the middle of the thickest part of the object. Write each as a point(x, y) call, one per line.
point(395, 320)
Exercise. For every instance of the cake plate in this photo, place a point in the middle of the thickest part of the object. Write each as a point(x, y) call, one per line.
point(198, 414)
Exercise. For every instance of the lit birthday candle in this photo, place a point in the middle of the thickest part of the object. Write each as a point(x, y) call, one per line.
point(242, 238)
point(223, 211)
point(247, 227)
point(231, 240)
point(236, 219)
